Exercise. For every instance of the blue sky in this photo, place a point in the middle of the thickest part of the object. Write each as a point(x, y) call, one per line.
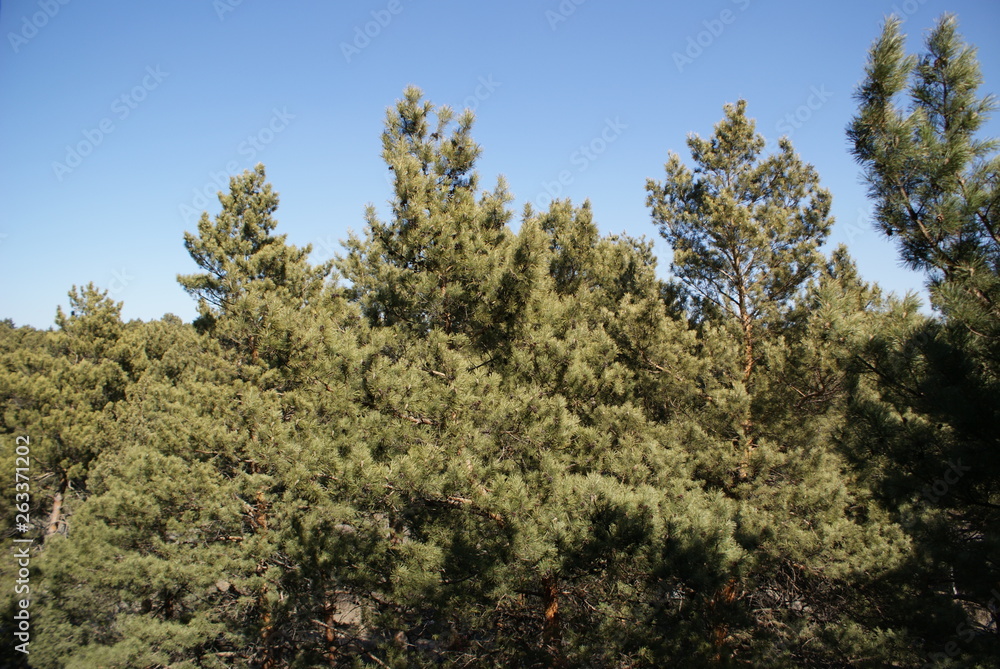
point(117, 118)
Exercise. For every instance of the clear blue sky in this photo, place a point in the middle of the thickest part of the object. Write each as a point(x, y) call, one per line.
point(161, 96)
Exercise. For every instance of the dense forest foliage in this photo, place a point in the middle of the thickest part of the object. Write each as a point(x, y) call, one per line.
point(470, 443)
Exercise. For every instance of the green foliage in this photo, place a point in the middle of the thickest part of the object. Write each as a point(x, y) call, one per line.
point(934, 182)
point(445, 259)
point(499, 448)
point(56, 387)
point(256, 291)
point(926, 423)
point(745, 230)
point(746, 233)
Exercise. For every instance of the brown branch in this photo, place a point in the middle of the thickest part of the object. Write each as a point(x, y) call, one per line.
point(457, 502)
point(887, 379)
point(417, 420)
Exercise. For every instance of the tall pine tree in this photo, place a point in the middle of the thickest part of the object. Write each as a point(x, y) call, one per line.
point(746, 231)
point(255, 288)
point(929, 426)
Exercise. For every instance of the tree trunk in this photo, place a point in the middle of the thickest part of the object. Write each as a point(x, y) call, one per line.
point(552, 630)
point(55, 518)
point(719, 607)
point(267, 631)
point(329, 635)
point(746, 324)
point(748, 362)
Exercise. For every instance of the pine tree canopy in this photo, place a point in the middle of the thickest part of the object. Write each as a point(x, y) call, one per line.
point(933, 180)
point(471, 441)
point(745, 230)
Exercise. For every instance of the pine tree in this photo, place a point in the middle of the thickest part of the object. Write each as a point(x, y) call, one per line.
point(193, 494)
point(155, 567)
point(255, 288)
point(520, 490)
point(928, 421)
point(278, 318)
point(56, 387)
point(934, 182)
point(746, 233)
point(445, 259)
point(524, 449)
point(745, 230)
